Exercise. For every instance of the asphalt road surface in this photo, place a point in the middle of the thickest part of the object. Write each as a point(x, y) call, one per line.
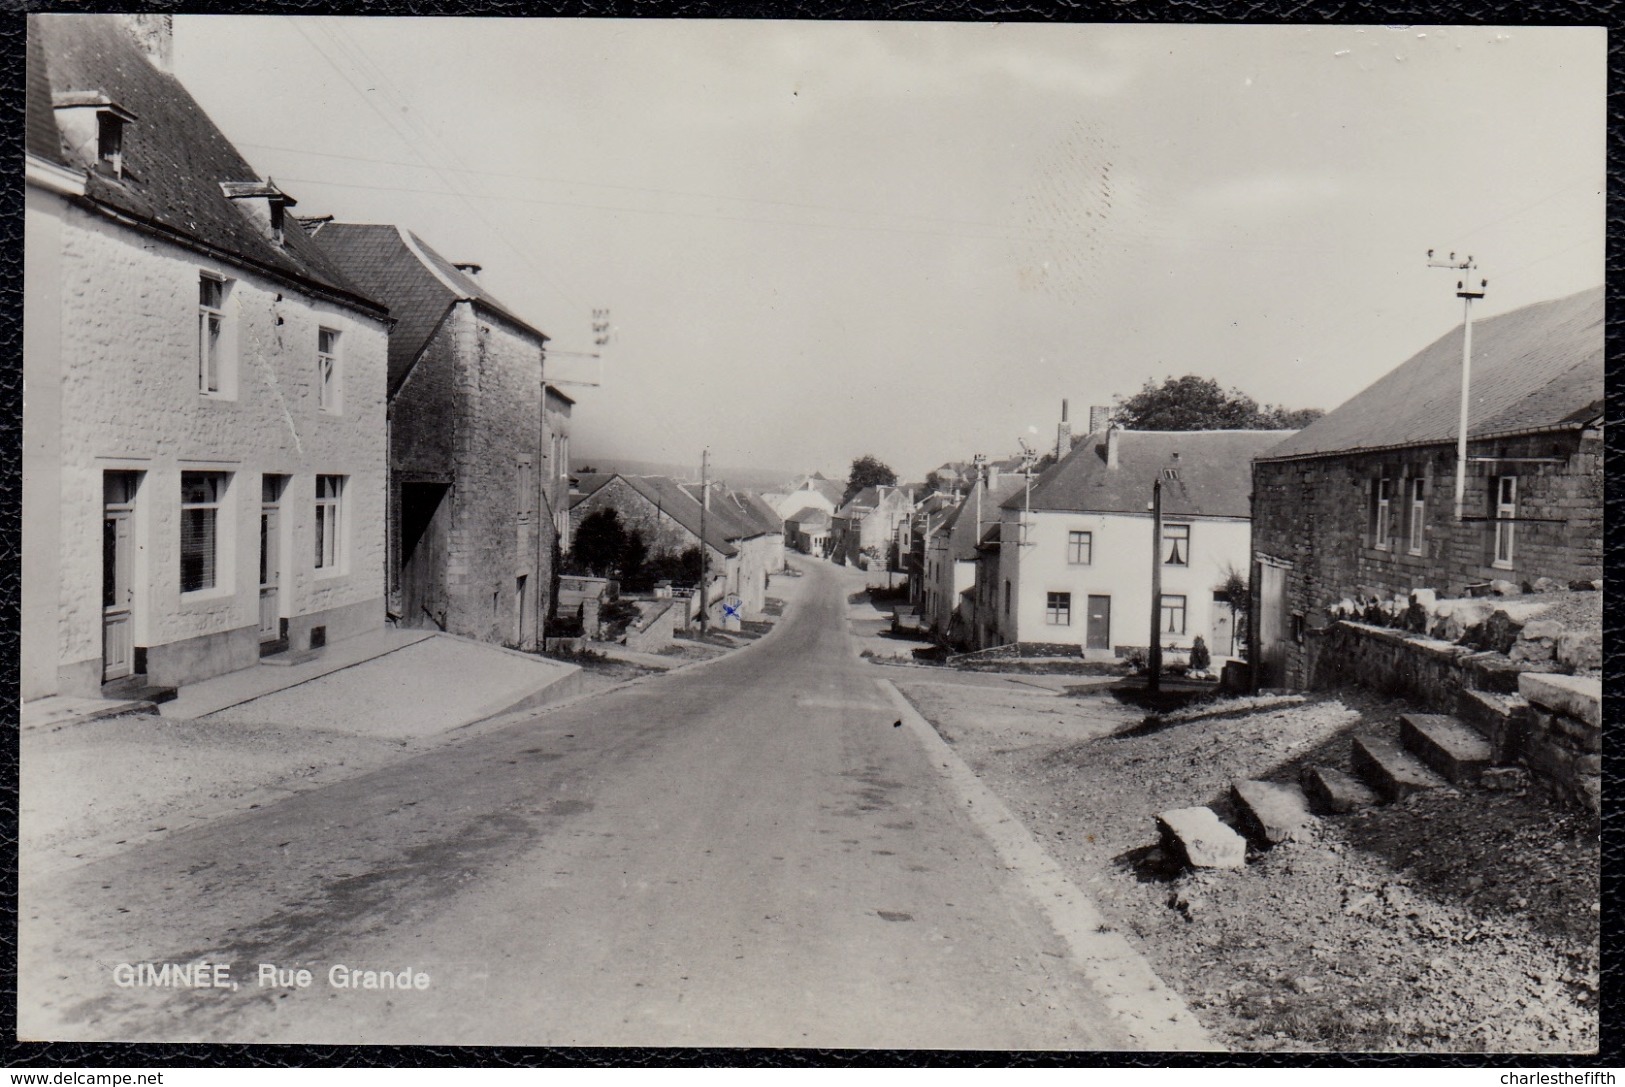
point(749, 852)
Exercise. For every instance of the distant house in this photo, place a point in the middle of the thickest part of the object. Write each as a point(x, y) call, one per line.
point(741, 549)
point(814, 491)
point(807, 530)
point(1361, 503)
point(203, 427)
point(556, 472)
point(470, 539)
point(950, 557)
point(867, 524)
point(1076, 554)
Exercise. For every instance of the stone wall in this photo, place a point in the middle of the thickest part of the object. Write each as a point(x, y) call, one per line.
point(655, 627)
point(1420, 669)
point(129, 350)
point(1313, 518)
point(1562, 736)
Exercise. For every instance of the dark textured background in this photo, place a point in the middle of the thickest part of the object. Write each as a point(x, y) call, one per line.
point(12, 32)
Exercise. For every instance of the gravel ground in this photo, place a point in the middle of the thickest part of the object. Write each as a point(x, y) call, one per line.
point(1453, 922)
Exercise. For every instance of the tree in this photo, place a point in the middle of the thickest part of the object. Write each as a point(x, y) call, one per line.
point(868, 471)
point(1200, 403)
point(600, 543)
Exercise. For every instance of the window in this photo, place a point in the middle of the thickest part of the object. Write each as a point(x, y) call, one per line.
point(1173, 614)
point(1381, 522)
point(1080, 547)
point(327, 370)
point(1176, 545)
point(212, 358)
point(110, 142)
point(527, 491)
point(1505, 490)
point(200, 529)
point(1418, 515)
point(1058, 609)
point(329, 522)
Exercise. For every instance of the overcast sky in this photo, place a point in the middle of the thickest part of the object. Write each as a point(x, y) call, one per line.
point(825, 239)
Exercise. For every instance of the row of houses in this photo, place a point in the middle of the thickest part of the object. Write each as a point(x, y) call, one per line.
point(1263, 533)
point(742, 536)
point(289, 431)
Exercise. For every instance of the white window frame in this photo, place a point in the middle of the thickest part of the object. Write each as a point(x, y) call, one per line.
point(1170, 532)
point(329, 525)
point(1384, 514)
point(1076, 547)
point(216, 371)
point(218, 581)
point(1057, 605)
point(329, 371)
point(1167, 610)
point(1418, 515)
point(1506, 512)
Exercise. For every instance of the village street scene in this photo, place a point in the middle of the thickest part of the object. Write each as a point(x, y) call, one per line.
point(940, 537)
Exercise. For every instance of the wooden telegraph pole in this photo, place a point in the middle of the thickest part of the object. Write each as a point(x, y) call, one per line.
point(1153, 681)
point(705, 557)
point(1466, 290)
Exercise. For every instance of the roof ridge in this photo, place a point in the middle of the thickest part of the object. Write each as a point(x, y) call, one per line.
point(417, 247)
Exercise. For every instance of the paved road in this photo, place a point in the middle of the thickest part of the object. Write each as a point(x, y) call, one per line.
point(748, 852)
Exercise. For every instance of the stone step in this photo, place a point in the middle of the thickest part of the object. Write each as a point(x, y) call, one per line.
point(285, 660)
point(1334, 791)
point(1195, 838)
point(1270, 814)
point(1449, 746)
point(136, 689)
point(1498, 717)
point(1388, 769)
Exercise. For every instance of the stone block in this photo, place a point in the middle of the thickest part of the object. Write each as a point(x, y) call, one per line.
point(1389, 770)
point(1532, 651)
point(1577, 696)
point(1541, 628)
point(1501, 587)
point(1493, 672)
point(1447, 745)
point(1505, 779)
point(1196, 838)
point(1334, 791)
point(1269, 813)
point(1580, 650)
point(1425, 597)
point(1502, 718)
point(1548, 585)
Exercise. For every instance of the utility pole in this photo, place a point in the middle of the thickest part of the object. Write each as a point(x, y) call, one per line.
point(1466, 290)
point(705, 558)
point(1153, 681)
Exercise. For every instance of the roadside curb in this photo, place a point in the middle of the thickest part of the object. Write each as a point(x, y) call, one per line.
point(1144, 1007)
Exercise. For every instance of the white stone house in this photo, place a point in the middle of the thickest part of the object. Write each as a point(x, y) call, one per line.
point(950, 557)
point(1075, 555)
point(204, 393)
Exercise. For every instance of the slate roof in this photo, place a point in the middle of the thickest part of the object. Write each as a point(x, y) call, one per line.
point(418, 284)
point(809, 517)
point(763, 513)
point(1537, 368)
point(175, 159)
point(965, 547)
point(671, 498)
point(1213, 474)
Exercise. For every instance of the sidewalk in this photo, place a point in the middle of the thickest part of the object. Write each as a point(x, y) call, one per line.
point(91, 786)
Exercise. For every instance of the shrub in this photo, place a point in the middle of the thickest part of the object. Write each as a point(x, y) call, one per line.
point(1200, 657)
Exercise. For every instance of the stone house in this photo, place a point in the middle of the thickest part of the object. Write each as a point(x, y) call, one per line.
point(1360, 504)
point(815, 491)
point(558, 409)
point(867, 523)
point(808, 531)
point(470, 543)
point(203, 425)
point(950, 558)
point(1076, 553)
point(667, 515)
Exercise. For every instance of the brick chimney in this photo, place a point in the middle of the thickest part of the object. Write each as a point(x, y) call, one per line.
point(1063, 436)
point(1098, 414)
point(155, 36)
point(1111, 446)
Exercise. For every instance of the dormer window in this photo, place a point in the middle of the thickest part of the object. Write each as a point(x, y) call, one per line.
point(265, 203)
point(93, 126)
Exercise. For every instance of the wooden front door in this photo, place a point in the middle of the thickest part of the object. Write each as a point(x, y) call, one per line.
point(1224, 628)
point(1099, 628)
point(118, 574)
point(271, 559)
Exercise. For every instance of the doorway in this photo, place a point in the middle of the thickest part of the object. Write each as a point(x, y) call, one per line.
point(272, 637)
point(118, 573)
point(424, 524)
point(1272, 626)
point(1098, 632)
